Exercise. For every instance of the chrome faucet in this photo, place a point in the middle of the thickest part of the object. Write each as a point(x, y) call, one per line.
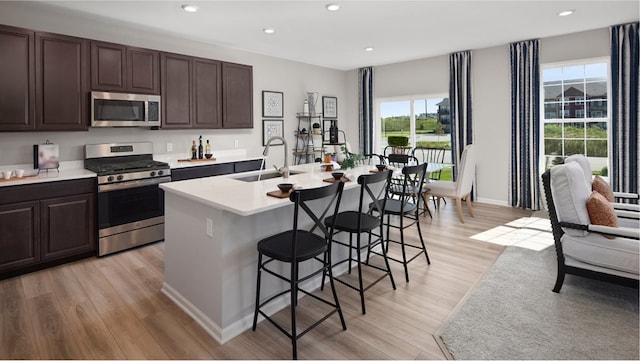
point(284, 170)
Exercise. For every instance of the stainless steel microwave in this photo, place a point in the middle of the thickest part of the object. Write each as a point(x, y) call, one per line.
point(124, 110)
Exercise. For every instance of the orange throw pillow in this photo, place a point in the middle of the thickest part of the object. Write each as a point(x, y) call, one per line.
point(601, 211)
point(601, 186)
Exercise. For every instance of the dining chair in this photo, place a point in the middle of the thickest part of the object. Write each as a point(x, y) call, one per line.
point(430, 155)
point(461, 188)
point(406, 208)
point(300, 245)
point(374, 189)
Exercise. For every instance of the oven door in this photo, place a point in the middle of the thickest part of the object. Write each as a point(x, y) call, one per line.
point(129, 202)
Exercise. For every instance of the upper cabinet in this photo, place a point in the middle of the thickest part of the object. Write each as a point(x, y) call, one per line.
point(43, 81)
point(237, 96)
point(203, 93)
point(125, 69)
point(62, 100)
point(17, 87)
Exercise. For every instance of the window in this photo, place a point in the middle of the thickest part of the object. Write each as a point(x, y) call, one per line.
point(575, 112)
point(424, 120)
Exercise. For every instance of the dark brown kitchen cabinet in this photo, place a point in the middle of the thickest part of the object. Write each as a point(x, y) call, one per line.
point(237, 96)
point(191, 92)
point(176, 90)
point(17, 74)
point(207, 111)
point(61, 82)
point(45, 224)
point(120, 68)
point(67, 227)
point(19, 235)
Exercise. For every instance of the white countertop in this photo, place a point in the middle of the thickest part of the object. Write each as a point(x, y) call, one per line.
point(247, 198)
point(67, 171)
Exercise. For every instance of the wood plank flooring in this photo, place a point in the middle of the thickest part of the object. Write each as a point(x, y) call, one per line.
point(112, 307)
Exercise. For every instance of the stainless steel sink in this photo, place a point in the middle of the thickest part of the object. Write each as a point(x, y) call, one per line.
point(264, 175)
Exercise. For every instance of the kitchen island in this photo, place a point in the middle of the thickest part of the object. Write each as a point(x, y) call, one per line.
point(212, 226)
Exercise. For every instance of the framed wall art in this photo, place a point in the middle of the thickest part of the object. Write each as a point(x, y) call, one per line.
point(272, 128)
point(272, 104)
point(330, 107)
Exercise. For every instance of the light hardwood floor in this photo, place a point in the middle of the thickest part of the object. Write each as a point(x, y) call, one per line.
point(112, 307)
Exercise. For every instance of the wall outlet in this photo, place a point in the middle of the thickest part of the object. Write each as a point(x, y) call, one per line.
point(236, 143)
point(210, 227)
point(169, 147)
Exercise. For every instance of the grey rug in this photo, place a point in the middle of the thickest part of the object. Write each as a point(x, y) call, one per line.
point(513, 314)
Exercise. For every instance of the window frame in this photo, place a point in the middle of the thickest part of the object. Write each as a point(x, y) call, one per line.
point(412, 116)
point(564, 120)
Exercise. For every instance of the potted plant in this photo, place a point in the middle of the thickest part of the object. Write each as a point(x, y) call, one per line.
point(350, 159)
point(398, 143)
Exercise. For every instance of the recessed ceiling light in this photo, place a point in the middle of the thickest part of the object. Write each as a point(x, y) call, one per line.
point(268, 30)
point(332, 7)
point(189, 8)
point(566, 13)
point(368, 48)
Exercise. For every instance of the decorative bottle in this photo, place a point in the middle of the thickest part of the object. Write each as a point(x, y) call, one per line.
point(207, 148)
point(200, 149)
point(194, 151)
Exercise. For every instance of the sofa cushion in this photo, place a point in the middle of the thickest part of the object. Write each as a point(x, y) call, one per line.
point(601, 186)
point(570, 193)
point(601, 211)
point(619, 253)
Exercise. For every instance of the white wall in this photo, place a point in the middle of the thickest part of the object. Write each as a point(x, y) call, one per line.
point(292, 78)
point(491, 92)
point(491, 97)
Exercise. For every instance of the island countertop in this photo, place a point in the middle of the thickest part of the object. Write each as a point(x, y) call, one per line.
point(247, 198)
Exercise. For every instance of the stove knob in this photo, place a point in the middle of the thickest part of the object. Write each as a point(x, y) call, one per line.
point(110, 178)
point(119, 177)
point(160, 172)
point(152, 174)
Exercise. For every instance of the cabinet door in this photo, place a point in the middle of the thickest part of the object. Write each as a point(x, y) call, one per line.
point(176, 90)
point(207, 90)
point(68, 226)
point(62, 98)
point(17, 74)
point(108, 69)
point(201, 171)
point(19, 235)
point(237, 96)
point(143, 72)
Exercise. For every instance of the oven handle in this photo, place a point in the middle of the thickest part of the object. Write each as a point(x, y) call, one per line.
point(132, 184)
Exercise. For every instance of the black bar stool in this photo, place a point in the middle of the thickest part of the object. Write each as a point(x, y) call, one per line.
point(404, 202)
point(296, 246)
point(374, 188)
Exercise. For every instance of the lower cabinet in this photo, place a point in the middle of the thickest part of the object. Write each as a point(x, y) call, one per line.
point(46, 224)
point(178, 174)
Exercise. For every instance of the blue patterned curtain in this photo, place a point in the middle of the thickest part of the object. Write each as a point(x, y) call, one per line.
point(365, 106)
point(460, 103)
point(525, 125)
point(624, 107)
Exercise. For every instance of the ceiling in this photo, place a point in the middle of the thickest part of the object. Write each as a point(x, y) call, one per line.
point(397, 30)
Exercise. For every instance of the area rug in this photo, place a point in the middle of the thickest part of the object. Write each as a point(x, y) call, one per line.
point(513, 314)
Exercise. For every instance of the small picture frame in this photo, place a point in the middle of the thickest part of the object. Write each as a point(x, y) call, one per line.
point(272, 128)
point(330, 107)
point(272, 104)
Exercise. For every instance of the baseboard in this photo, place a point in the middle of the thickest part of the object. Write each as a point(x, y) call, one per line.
point(493, 201)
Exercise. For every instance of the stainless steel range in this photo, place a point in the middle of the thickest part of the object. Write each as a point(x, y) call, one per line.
point(130, 203)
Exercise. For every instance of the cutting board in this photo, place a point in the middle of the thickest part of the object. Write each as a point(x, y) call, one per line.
point(279, 194)
point(197, 160)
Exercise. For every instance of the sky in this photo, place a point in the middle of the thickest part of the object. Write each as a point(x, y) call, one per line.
point(388, 109)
